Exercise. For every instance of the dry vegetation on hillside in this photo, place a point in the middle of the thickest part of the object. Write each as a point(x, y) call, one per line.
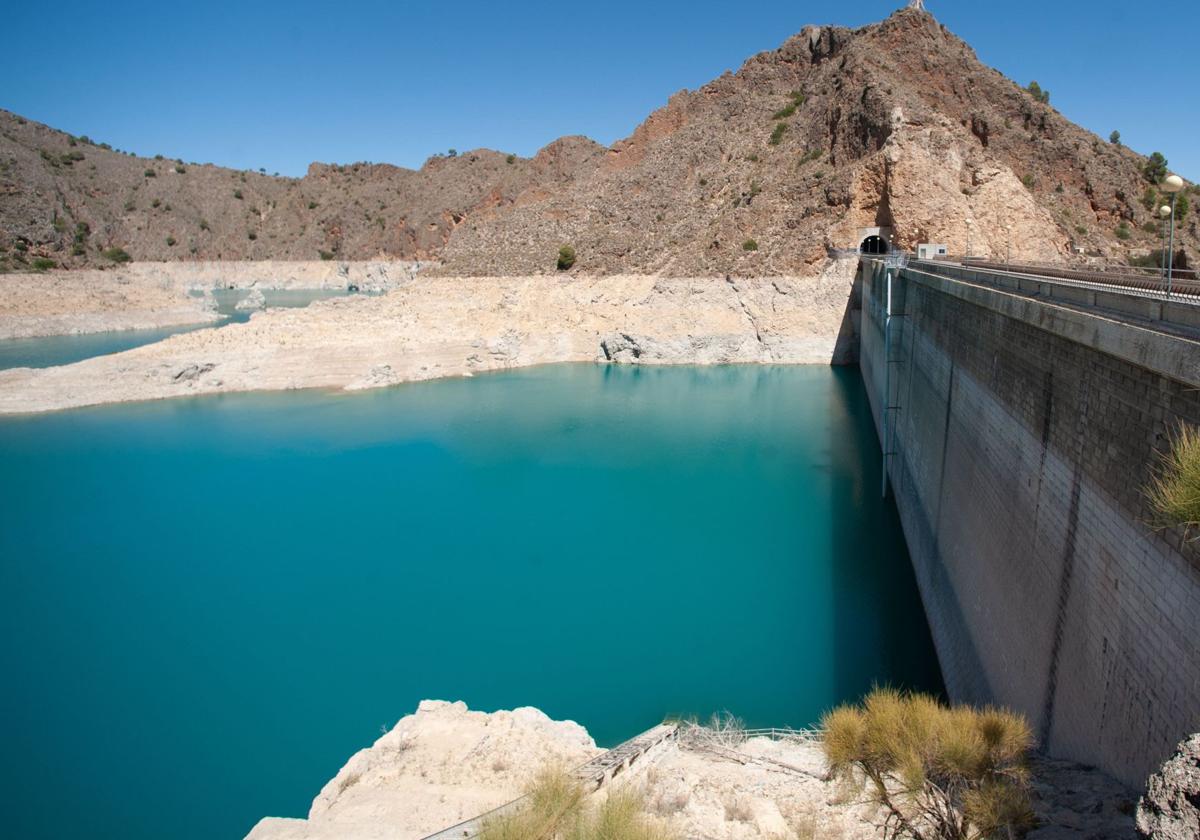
point(758, 172)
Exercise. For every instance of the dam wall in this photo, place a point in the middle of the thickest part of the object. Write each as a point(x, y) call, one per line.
point(1019, 430)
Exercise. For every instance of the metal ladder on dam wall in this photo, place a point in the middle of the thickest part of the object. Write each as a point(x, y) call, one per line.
point(893, 264)
point(593, 775)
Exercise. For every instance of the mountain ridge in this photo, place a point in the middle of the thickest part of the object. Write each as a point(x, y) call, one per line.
point(760, 171)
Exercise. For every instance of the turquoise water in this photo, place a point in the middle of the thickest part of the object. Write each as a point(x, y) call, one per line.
point(207, 605)
point(66, 349)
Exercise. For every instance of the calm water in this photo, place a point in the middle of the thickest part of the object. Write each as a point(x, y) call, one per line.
point(66, 349)
point(207, 605)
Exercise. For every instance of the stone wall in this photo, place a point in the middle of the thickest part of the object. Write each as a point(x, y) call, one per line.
point(1018, 455)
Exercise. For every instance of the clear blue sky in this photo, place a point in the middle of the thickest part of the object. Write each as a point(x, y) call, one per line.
point(280, 84)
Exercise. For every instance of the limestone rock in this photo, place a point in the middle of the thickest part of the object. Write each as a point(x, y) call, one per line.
point(1170, 808)
point(254, 300)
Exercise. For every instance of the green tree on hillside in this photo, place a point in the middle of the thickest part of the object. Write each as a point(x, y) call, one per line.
point(1115, 138)
point(1155, 168)
point(1036, 91)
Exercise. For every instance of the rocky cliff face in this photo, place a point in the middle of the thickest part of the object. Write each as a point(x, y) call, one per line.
point(896, 124)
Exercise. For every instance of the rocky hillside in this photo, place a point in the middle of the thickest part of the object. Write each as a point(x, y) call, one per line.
point(758, 172)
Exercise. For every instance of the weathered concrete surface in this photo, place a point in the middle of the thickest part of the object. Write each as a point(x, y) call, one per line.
point(1020, 437)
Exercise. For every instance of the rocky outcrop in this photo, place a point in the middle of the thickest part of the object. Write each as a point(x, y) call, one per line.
point(1170, 808)
point(254, 300)
point(435, 768)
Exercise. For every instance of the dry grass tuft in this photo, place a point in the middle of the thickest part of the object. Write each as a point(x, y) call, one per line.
point(556, 811)
point(1174, 494)
point(950, 773)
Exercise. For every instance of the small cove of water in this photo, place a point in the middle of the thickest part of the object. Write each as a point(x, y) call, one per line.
point(207, 605)
point(49, 351)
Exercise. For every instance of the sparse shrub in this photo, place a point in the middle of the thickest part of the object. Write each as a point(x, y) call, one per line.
point(810, 155)
point(777, 135)
point(753, 158)
point(556, 809)
point(43, 264)
point(117, 255)
point(1155, 168)
point(150, 173)
point(71, 141)
point(1081, 230)
point(77, 250)
point(1060, 188)
point(452, 153)
point(755, 189)
point(1028, 181)
point(252, 236)
point(1122, 232)
point(749, 245)
point(784, 113)
point(1150, 227)
point(1115, 138)
point(1036, 91)
point(946, 773)
point(566, 258)
point(312, 205)
point(170, 241)
point(1182, 206)
point(180, 169)
point(704, 182)
point(819, 174)
point(237, 194)
point(1150, 199)
point(158, 157)
point(1174, 493)
point(326, 255)
point(510, 160)
point(155, 203)
point(204, 224)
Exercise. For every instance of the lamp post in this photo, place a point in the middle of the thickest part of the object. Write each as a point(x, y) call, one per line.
point(1171, 185)
point(1164, 213)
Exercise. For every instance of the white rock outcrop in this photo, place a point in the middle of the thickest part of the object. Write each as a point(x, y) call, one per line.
point(437, 767)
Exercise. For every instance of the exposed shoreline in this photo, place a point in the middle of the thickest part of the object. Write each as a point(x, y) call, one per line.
point(156, 295)
point(435, 327)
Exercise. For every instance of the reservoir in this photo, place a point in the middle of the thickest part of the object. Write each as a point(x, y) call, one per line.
point(208, 605)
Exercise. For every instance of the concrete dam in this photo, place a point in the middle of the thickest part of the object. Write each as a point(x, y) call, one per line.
point(1020, 420)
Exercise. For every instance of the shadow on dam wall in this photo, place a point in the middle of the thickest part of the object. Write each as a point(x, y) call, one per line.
point(878, 616)
point(1022, 434)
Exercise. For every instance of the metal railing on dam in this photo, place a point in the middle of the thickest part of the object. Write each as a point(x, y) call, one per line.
point(1021, 418)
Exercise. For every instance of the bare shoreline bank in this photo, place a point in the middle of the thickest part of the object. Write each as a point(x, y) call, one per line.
point(438, 327)
point(155, 295)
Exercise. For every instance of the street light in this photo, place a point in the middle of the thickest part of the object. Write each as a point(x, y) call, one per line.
point(1165, 213)
point(1171, 185)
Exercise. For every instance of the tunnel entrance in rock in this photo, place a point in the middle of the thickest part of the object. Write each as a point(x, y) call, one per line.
point(873, 245)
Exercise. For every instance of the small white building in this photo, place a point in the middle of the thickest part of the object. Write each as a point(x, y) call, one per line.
point(929, 251)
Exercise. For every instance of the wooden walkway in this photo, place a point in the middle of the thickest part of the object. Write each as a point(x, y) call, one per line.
point(593, 775)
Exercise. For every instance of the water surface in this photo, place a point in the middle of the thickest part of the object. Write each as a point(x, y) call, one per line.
point(207, 605)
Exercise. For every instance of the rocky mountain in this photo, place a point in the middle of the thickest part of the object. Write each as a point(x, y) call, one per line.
point(895, 124)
